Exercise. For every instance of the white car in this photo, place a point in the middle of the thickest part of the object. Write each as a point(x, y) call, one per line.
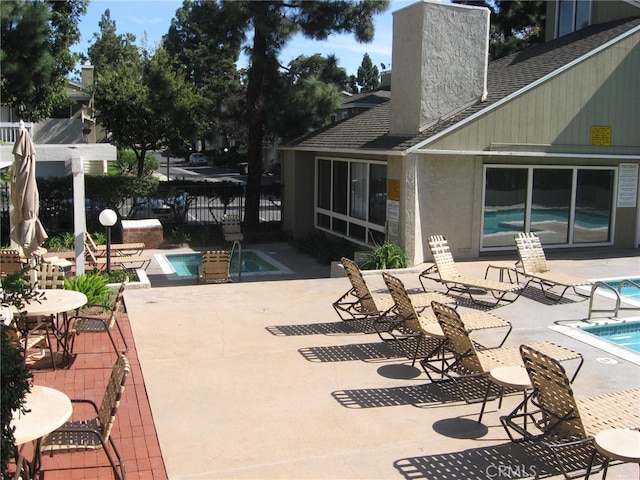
point(198, 159)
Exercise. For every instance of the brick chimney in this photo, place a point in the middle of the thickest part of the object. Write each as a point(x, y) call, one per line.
point(439, 57)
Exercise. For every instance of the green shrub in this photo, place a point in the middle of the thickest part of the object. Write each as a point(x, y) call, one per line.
point(99, 237)
point(180, 237)
point(324, 248)
point(386, 256)
point(63, 241)
point(92, 284)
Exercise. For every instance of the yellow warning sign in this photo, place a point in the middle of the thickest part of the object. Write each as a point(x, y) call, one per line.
point(600, 136)
point(393, 190)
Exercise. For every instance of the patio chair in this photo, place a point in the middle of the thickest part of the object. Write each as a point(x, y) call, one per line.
point(468, 360)
point(94, 433)
point(99, 318)
point(11, 260)
point(49, 275)
point(231, 228)
point(563, 421)
point(215, 267)
point(448, 275)
point(122, 261)
point(421, 331)
point(533, 265)
point(358, 303)
point(126, 249)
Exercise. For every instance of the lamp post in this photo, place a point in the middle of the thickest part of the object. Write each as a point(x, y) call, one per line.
point(108, 219)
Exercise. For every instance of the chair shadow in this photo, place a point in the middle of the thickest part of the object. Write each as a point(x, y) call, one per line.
point(422, 395)
point(509, 460)
point(528, 459)
point(378, 351)
point(326, 328)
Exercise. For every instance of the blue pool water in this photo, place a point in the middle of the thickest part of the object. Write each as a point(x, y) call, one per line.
point(186, 264)
point(626, 334)
point(627, 290)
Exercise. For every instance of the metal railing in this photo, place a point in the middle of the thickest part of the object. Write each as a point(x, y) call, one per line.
point(617, 293)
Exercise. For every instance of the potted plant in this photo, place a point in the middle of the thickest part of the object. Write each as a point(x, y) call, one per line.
point(387, 256)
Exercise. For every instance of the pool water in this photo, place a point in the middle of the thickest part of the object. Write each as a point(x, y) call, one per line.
point(186, 264)
point(627, 290)
point(626, 334)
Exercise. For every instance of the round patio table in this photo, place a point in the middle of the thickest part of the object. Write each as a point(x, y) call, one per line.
point(46, 409)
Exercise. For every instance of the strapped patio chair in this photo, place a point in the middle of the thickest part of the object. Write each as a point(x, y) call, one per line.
point(533, 265)
point(99, 318)
point(469, 360)
point(99, 262)
point(231, 228)
point(117, 249)
point(49, 275)
point(358, 303)
point(563, 421)
point(94, 433)
point(421, 332)
point(11, 260)
point(215, 267)
point(448, 275)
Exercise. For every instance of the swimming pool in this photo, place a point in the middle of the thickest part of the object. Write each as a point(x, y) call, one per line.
point(616, 337)
point(625, 334)
point(254, 262)
point(627, 290)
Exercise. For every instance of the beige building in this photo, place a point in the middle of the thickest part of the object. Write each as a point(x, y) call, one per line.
point(545, 140)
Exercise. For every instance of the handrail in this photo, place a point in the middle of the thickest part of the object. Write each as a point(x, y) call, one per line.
point(616, 291)
point(233, 248)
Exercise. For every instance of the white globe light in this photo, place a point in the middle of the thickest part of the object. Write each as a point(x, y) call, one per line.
point(108, 218)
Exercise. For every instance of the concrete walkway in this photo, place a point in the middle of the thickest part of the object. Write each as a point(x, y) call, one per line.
point(261, 379)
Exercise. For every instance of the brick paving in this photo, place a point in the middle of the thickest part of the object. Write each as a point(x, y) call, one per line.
point(134, 432)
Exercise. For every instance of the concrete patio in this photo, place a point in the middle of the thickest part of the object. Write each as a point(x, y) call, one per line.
point(261, 379)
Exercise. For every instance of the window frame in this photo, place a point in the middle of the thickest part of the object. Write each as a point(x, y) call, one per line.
point(571, 243)
point(339, 219)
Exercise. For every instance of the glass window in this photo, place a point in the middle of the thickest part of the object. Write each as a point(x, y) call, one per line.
point(504, 205)
point(550, 204)
point(583, 11)
point(351, 199)
point(340, 176)
point(324, 184)
point(563, 206)
point(573, 15)
point(594, 192)
point(358, 194)
point(378, 194)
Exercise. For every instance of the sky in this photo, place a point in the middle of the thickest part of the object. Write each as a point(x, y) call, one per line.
point(154, 18)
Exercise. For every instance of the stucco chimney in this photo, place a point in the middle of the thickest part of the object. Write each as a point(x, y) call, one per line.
point(439, 57)
point(87, 74)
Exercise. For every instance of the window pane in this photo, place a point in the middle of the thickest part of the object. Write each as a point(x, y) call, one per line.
point(378, 194)
point(358, 198)
point(593, 206)
point(582, 13)
point(550, 204)
point(324, 221)
point(376, 237)
point(339, 226)
point(565, 17)
point(340, 178)
point(357, 232)
point(504, 205)
point(324, 184)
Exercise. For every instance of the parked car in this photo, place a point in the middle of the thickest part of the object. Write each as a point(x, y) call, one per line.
point(198, 159)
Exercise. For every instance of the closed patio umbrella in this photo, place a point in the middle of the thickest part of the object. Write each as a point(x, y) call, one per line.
point(26, 229)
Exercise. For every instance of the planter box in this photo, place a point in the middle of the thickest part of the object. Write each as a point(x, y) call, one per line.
point(143, 282)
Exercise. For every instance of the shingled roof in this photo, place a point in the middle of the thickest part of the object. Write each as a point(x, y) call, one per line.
point(505, 76)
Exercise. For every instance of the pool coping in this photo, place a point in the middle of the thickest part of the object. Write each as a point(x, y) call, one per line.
point(574, 330)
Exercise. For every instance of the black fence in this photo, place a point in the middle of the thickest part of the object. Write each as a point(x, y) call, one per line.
point(173, 203)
